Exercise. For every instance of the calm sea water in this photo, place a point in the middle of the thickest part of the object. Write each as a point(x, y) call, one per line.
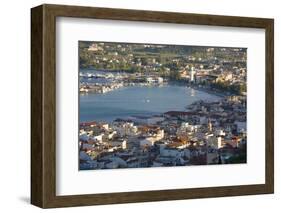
point(131, 101)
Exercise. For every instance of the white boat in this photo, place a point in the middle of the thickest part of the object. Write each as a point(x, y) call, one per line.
point(89, 75)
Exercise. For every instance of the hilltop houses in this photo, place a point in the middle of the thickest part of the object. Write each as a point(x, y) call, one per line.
point(208, 133)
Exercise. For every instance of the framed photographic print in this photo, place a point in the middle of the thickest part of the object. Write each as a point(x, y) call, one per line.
point(136, 106)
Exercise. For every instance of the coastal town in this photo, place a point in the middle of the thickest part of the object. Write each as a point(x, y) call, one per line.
point(202, 133)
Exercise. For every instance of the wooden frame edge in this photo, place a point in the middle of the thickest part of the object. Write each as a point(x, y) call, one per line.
point(36, 106)
point(269, 108)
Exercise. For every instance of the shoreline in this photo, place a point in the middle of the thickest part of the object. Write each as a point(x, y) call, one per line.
point(221, 95)
point(184, 109)
point(169, 82)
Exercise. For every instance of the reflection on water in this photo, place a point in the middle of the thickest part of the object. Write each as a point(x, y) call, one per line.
point(131, 101)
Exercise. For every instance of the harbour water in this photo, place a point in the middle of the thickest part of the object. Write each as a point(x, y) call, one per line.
point(138, 101)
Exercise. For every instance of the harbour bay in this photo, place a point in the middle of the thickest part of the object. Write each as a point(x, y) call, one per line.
point(139, 101)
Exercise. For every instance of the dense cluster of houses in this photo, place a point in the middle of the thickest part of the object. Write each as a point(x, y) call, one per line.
point(118, 81)
point(206, 133)
point(212, 68)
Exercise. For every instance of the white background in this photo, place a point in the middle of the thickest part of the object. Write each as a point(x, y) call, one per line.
point(15, 105)
point(70, 30)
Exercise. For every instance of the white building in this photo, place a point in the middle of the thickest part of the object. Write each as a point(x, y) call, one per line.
point(98, 138)
point(105, 126)
point(149, 80)
point(119, 143)
point(151, 139)
point(160, 80)
point(214, 141)
point(126, 128)
point(186, 127)
point(148, 141)
point(192, 74)
point(110, 135)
